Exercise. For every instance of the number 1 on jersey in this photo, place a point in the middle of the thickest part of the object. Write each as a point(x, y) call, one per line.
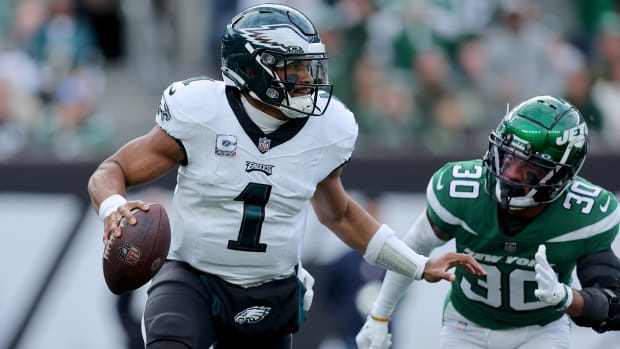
point(254, 197)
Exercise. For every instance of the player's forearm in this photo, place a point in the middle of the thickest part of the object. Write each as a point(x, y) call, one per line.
point(108, 179)
point(576, 307)
point(596, 307)
point(392, 290)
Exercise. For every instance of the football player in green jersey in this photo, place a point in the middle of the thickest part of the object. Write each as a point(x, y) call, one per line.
point(529, 220)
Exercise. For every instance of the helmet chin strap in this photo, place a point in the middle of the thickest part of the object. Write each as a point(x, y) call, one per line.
point(508, 195)
point(504, 200)
point(298, 107)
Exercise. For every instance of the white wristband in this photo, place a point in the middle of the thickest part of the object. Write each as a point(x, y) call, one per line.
point(110, 204)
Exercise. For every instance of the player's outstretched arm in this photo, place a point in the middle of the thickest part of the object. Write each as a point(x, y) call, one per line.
point(379, 244)
point(139, 161)
point(357, 228)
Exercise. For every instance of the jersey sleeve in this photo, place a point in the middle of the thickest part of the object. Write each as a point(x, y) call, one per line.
point(609, 222)
point(341, 131)
point(182, 107)
point(595, 216)
point(452, 193)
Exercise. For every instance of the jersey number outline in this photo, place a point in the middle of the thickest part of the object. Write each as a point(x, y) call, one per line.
point(465, 185)
point(518, 286)
point(587, 197)
point(254, 197)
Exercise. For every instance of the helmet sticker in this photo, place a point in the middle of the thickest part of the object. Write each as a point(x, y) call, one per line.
point(279, 36)
point(568, 135)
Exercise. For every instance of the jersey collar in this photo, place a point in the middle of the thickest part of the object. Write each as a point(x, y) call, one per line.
point(277, 137)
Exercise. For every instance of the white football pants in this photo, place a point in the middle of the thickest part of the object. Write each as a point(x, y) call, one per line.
point(459, 333)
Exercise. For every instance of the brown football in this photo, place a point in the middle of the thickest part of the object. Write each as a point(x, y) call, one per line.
point(132, 259)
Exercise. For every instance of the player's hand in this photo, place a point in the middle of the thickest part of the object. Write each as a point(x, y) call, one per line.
point(437, 268)
point(308, 281)
point(550, 290)
point(374, 335)
point(111, 222)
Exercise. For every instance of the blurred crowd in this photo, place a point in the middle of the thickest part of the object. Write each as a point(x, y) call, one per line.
point(428, 77)
point(52, 80)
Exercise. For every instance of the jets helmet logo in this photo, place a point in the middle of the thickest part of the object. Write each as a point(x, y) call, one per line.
point(252, 315)
point(576, 134)
point(279, 36)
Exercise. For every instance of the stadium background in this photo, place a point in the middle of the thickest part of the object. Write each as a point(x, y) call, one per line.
point(421, 75)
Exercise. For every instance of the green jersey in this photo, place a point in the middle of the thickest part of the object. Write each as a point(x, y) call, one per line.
point(583, 220)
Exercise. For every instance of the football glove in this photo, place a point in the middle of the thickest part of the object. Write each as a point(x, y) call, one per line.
point(308, 281)
point(374, 335)
point(550, 290)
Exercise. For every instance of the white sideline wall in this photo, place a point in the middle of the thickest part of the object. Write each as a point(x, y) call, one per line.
point(78, 310)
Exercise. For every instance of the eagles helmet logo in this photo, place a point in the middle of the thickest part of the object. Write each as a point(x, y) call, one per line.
point(252, 315)
point(280, 36)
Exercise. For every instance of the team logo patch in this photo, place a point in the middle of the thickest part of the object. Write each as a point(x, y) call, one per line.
point(253, 166)
point(264, 144)
point(461, 325)
point(510, 246)
point(163, 112)
point(226, 145)
point(129, 253)
point(252, 315)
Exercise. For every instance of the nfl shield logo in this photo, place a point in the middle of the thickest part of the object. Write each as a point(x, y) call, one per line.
point(129, 253)
point(263, 144)
point(510, 246)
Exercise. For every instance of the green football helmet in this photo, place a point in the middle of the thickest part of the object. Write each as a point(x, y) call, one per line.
point(267, 37)
point(547, 133)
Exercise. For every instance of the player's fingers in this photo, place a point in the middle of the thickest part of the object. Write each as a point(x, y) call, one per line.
point(544, 271)
point(449, 277)
point(473, 270)
point(111, 225)
point(111, 232)
point(539, 269)
point(137, 204)
point(542, 282)
point(437, 275)
point(540, 259)
point(467, 261)
point(538, 278)
point(126, 209)
point(541, 255)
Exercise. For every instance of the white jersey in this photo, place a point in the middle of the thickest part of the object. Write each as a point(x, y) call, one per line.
point(239, 208)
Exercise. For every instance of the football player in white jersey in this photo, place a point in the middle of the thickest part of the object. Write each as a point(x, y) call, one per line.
point(253, 151)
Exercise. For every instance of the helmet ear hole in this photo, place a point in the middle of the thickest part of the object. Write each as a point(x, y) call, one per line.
point(249, 72)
